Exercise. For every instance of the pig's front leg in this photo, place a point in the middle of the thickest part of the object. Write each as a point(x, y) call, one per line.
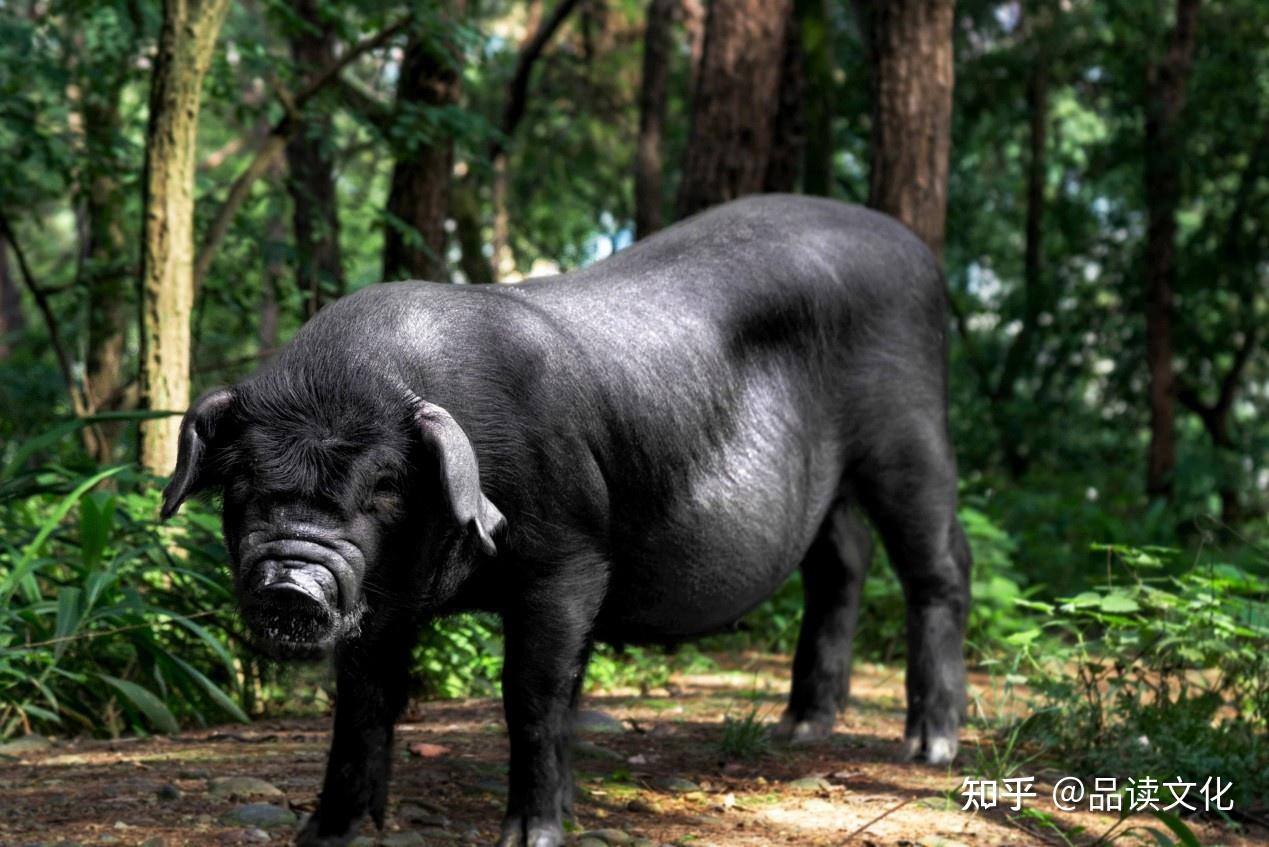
point(372, 682)
point(548, 638)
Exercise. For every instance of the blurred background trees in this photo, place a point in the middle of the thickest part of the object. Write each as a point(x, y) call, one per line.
point(183, 183)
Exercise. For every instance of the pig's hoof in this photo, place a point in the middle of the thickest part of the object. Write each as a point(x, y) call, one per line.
point(791, 730)
point(531, 832)
point(933, 749)
point(310, 836)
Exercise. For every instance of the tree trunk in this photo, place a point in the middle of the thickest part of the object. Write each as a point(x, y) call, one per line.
point(186, 43)
point(1035, 297)
point(465, 209)
point(1165, 98)
point(657, 44)
point(733, 121)
point(817, 168)
point(319, 271)
point(788, 131)
point(909, 46)
point(12, 321)
point(418, 201)
point(105, 266)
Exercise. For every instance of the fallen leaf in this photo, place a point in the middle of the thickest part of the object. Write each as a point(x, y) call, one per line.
point(428, 751)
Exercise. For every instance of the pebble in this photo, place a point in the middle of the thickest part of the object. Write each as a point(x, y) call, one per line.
point(647, 807)
point(402, 839)
point(155, 841)
point(678, 785)
point(591, 750)
point(256, 834)
point(242, 786)
point(261, 815)
point(593, 720)
point(587, 841)
point(809, 783)
point(168, 791)
point(611, 837)
point(25, 744)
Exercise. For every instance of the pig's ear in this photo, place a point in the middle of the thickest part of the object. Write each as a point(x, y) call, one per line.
point(460, 475)
point(202, 424)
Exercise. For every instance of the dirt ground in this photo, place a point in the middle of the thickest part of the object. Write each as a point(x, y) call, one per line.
point(654, 775)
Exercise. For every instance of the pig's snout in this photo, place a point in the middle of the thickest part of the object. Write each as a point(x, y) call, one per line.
point(298, 593)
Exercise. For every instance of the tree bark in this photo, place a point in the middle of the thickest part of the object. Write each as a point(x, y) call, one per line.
point(12, 320)
point(319, 269)
point(105, 265)
point(788, 130)
point(1035, 296)
point(733, 121)
point(657, 44)
point(817, 168)
point(909, 46)
point(1165, 98)
point(187, 40)
point(418, 201)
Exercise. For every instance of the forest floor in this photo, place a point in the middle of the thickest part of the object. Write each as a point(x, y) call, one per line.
point(649, 771)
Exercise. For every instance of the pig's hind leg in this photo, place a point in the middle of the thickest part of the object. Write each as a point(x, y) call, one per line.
point(832, 580)
point(910, 493)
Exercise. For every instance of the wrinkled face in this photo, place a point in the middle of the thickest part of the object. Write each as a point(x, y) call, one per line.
point(319, 484)
point(302, 555)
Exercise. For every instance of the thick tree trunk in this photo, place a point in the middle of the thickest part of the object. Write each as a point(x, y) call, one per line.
point(910, 54)
point(186, 42)
point(418, 201)
point(12, 320)
point(817, 168)
point(319, 270)
point(657, 44)
point(733, 119)
point(1165, 98)
point(105, 266)
point(465, 209)
point(788, 131)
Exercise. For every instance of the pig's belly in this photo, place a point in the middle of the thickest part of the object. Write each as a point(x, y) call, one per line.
point(728, 541)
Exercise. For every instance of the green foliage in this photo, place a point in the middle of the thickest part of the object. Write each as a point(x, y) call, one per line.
point(1155, 674)
point(746, 737)
point(109, 622)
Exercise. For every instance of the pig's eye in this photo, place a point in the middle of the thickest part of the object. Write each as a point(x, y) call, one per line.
point(387, 499)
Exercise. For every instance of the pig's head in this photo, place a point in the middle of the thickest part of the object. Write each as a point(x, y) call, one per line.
point(322, 492)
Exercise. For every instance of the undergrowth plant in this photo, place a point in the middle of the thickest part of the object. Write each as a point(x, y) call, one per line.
point(1154, 673)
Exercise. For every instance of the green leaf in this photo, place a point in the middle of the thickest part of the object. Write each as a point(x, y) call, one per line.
point(144, 700)
point(68, 617)
point(220, 698)
point(1183, 832)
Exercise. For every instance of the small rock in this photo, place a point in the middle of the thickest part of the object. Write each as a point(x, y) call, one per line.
point(261, 815)
point(591, 750)
point(588, 841)
point(678, 785)
point(428, 751)
point(242, 786)
point(593, 720)
point(643, 842)
point(363, 841)
point(418, 815)
point(25, 744)
point(643, 806)
point(168, 791)
point(406, 838)
point(706, 820)
point(938, 841)
point(809, 783)
point(106, 838)
point(424, 805)
point(156, 841)
point(256, 834)
point(611, 837)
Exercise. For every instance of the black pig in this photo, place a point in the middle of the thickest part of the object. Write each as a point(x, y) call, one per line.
point(639, 451)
